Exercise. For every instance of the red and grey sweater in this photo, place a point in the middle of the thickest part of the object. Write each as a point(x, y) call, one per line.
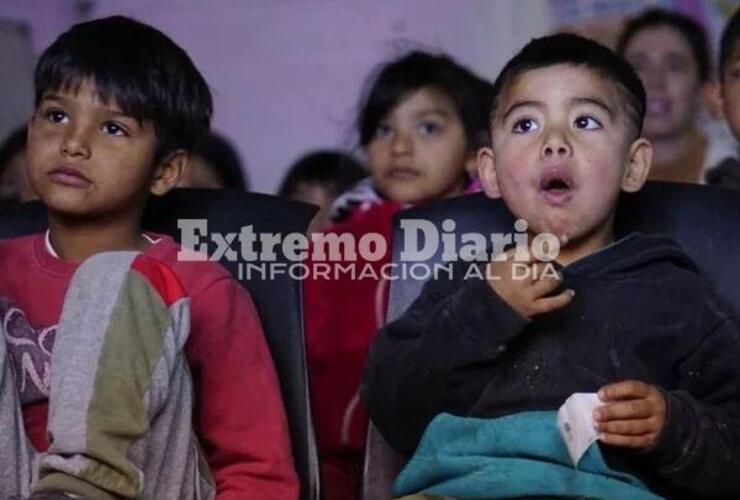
point(239, 416)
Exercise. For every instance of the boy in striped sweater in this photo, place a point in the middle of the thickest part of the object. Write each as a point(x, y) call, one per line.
point(102, 325)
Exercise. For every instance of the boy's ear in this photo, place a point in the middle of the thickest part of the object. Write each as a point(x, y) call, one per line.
point(638, 165)
point(487, 172)
point(168, 172)
point(711, 97)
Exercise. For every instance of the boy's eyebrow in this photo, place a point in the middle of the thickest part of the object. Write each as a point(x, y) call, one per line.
point(522, 104)
point(596, 101)
point(52, 97)
point(121, 114)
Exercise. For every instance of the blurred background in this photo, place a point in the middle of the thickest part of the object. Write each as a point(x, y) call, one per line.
point(287, 75)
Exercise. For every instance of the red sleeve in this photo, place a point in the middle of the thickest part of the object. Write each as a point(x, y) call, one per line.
point(239, 415)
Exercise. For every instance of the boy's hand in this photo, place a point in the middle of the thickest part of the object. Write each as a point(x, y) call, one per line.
point(634, 414)
point(529, 295)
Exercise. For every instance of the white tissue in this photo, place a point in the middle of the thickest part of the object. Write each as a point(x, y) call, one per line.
point(576, 423)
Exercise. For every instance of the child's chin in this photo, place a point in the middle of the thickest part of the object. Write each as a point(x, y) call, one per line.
point(68, 210)
point(405, 196)
point(546, 226)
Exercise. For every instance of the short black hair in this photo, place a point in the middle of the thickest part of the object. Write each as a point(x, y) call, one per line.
point(145, 72)
point(689, 28)
point(334, 170)
point(223, 157)
point(566, 48)
point(727, 44)
point(394, 81)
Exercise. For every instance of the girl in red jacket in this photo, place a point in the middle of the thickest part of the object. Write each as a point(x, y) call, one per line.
point(420, 124)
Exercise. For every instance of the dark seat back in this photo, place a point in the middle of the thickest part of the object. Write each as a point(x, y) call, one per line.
point(704, 221)
point(278, 299)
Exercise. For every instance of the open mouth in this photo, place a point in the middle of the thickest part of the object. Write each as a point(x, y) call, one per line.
point(557, 186)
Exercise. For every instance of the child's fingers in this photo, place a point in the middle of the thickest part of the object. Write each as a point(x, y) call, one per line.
point(632, 427)
point(627, 441)
point(549, 304)
point(545, 286)
point(508, 256)
point(628, 389)
point(633, 408)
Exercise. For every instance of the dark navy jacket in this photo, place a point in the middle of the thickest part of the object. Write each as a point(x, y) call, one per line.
point(641, 311)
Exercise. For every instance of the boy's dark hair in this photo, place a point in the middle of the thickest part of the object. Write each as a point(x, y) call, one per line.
point(221, 155)
point(728, 42)
point(689, 28)
point(333, 170)
point(146, 73)
point(394, 81)
point(565, 48)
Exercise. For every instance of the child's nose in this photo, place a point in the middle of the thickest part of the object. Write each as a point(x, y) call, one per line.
point(400, 143)
point(555, 144)
point(76, 143)
point(560, 150)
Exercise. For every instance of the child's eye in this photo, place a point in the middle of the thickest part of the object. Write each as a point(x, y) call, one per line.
point(587, 123)
point(429, 128)
point(383, 130)
point(525, 125)
point(114, 129)
point(56, 116)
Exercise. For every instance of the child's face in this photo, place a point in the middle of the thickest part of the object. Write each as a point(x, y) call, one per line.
point(419, 150)
point(730, 91)
point(663, 59)
point(562, 150)
point(86, 158)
